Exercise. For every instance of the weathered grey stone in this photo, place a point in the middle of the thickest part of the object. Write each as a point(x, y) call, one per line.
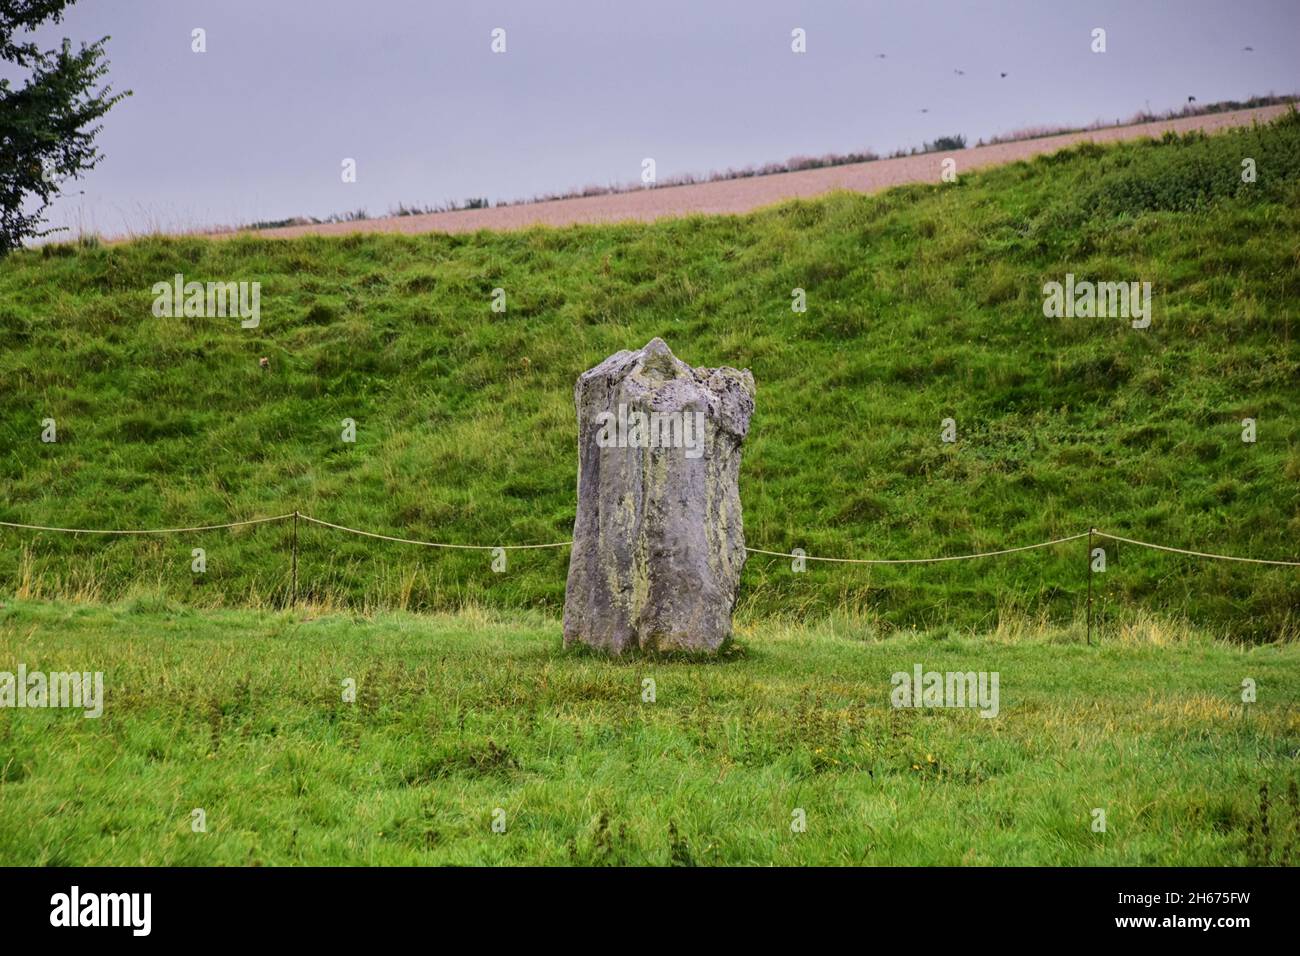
point(658, 545)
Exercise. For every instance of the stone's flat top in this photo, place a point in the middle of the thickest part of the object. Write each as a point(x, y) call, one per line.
point(655, 364)
point(657, 377)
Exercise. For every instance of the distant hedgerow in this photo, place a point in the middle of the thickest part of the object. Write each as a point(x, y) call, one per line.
point(944, 143)
point(1203, 170)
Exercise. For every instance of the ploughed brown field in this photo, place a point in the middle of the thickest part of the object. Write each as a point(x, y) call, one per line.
point(744, 195)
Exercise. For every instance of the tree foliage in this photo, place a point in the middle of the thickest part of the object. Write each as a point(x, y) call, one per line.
point(48, 124)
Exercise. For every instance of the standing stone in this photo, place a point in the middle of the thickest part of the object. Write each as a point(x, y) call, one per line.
point(657, 545)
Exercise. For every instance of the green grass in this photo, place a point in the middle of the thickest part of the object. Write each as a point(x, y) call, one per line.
point(240, 713)
point(924, 302)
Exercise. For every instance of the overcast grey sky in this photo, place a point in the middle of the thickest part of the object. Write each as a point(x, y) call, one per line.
point(256, 127)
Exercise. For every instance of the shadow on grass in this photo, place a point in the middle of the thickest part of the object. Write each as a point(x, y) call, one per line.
point(730, 651)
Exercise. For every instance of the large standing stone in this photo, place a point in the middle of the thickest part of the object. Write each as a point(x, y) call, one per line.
point(657, 545)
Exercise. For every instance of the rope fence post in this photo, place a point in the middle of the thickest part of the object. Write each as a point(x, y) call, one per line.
point(1088, 567)
point(293, 547)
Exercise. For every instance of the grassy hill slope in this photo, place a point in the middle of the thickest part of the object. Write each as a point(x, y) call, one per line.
point(923, 303)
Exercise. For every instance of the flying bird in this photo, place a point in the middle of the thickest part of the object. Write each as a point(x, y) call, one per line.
point(880, 56)
point(925, 111)
point(960, 72)
point(1191, 99)
point(1004, 76)
point(1248, 49)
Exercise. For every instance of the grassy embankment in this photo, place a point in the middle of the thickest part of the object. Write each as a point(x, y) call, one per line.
point(923, 303)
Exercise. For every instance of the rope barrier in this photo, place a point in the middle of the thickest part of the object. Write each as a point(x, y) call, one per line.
point(565, 544)
point(434, 544)
point(952, 557)
point(206, 527)
point(1197, 554)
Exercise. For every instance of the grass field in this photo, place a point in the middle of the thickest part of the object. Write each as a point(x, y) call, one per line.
point(923, 303)
point(240, 714)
